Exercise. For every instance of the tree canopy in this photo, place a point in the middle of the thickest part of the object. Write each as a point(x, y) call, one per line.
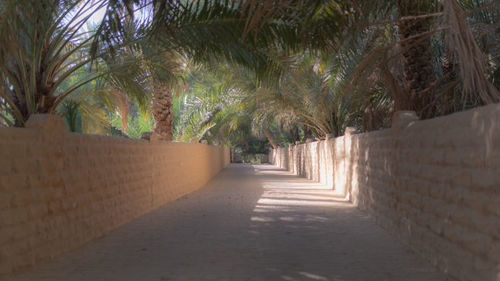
point(230, 71)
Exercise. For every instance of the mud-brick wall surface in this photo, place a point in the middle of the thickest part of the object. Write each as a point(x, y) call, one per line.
point(59, 190)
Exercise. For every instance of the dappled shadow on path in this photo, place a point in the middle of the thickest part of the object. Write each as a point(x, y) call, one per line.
point(290, 215)
point(306, 231)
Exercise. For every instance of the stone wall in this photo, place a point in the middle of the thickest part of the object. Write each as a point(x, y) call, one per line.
point(59, 190)
point(434, 183)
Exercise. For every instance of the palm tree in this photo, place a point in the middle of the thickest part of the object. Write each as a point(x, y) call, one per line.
point(416, 52)
point(164, 69)
point(199, 112)
point(43, 50)
point(193, 30)
point(406, 31)
point(310, 92)
point(443, 68)
point(161, 67)
point(253, 32)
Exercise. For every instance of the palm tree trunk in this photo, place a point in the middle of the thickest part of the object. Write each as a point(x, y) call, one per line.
point(162, 112)
point(270, 138)
point(294, 134)
point(416, 50)
point(308, 134)
point(449, 101)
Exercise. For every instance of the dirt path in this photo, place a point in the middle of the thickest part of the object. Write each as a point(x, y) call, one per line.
point(249, 223)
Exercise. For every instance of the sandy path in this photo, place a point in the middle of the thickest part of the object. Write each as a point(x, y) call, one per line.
point(249, 223)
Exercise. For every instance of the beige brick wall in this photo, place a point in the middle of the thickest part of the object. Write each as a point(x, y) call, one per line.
point(434, 183)
point(59, 190)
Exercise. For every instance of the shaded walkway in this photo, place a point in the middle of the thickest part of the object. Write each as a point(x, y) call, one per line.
point(249, 223)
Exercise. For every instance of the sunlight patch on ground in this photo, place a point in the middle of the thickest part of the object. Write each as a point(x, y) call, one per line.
point(288, 202)
point(307, 275)
point(283, 194)
point(312, 276)
point(261, 219)
point(287, 193)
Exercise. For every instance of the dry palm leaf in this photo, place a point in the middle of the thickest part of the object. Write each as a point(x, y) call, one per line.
point(473, 64)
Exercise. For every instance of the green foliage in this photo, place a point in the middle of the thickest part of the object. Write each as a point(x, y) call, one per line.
point(254, 145)
point(137, 125)
point(71, 114)
point(200, 111)
point(44, 56)
point(41, 47)
point(272, 73)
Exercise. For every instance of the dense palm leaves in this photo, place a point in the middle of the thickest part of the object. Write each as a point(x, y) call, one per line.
point(41, 48)
point(285, 70)
point(386, 56)
point(44, 56)
point(236, 104)
point(427, 56)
